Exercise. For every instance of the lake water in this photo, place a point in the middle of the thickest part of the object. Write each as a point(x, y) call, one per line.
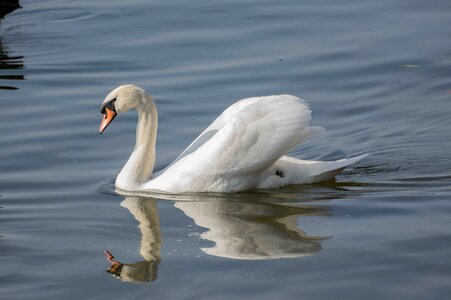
point(376, 74)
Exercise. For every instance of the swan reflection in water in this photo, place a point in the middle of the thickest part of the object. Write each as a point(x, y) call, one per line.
point(11, 68)
point(239, 230)
point(146, 213)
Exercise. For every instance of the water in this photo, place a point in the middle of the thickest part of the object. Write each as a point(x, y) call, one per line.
point(376, 74)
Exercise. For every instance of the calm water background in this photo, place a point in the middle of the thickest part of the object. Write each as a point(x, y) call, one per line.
point(377, 76)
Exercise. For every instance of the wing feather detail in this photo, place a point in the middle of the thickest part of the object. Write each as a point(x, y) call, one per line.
point(248, 137)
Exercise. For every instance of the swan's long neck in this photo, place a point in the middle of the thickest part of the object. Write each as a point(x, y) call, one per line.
point(139, 166)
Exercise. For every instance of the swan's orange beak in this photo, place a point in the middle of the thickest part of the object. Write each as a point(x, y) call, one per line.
point(108, 117)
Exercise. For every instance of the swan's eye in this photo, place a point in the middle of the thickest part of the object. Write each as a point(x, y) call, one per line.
point(110, 105)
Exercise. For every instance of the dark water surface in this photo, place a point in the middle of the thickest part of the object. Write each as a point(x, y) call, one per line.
point(377, 76)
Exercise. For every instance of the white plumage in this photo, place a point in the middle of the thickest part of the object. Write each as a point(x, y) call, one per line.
point(242, 149)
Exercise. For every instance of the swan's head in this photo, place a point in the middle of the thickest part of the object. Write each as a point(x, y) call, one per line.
point(119, 100)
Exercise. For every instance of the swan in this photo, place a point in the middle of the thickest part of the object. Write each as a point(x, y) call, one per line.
point(243, 149)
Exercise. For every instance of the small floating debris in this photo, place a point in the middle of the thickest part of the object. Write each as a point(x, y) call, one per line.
point(410, 66)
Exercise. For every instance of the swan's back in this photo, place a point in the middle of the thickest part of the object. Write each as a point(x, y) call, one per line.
point(244, 141)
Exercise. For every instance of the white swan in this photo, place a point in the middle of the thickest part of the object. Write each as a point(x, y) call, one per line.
point(242, 149)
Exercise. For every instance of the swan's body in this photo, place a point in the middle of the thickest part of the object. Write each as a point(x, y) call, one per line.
point(242, 149)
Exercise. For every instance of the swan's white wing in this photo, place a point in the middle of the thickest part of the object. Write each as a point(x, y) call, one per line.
point(248, 137)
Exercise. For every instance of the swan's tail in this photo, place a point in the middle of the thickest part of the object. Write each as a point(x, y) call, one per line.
point(326, 170)
point(299, 171)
